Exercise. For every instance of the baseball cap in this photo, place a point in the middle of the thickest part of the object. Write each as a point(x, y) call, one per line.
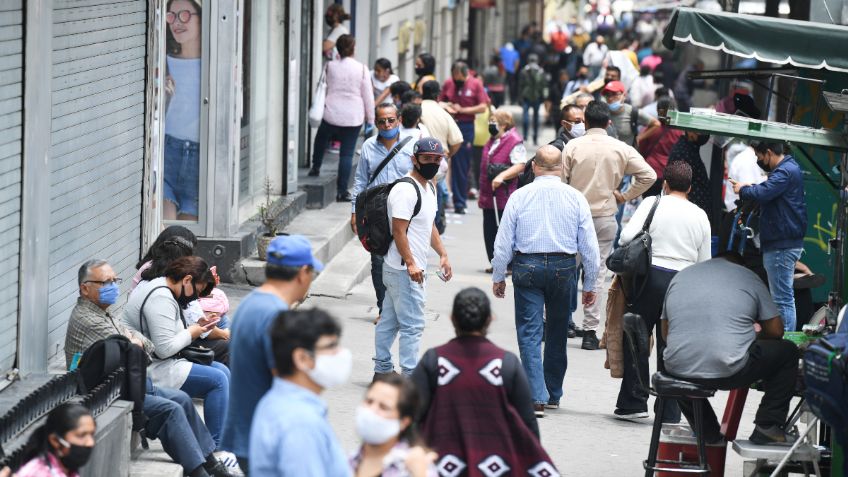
point(292, 251)
point(428, 145)
point(614, 87)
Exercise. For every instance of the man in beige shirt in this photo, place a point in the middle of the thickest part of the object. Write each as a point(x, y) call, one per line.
point(595, 164)
point(438, 121)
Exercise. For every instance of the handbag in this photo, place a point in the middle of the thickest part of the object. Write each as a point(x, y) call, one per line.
point(194, 353)
point(316, 111)
point(493, 170)
point(634, 259)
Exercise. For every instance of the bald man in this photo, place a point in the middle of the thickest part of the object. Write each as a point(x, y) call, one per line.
point(545, 224)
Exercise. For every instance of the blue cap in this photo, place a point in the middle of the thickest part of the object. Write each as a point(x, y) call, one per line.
point(429, 145)
point(292, 251)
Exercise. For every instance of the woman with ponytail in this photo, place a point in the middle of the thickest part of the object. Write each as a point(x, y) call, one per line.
point(476, 408)
point(62, 445)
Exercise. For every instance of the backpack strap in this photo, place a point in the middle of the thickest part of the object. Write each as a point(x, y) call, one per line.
point(388, 158)
point(634, 123)
point(417, 209)
point(142, 318)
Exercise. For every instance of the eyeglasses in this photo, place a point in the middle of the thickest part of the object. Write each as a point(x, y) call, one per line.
point(386, 121)
point(576, 121)
point(116, 281)
point(183, 15)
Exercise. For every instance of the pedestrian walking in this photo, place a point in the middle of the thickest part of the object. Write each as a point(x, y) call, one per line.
point(62, 445)
point(382, 76)
point(425, 70)
point(290, 435)
point(594, 55)
point(628, 119)
point(464, 96)
point(531, 86)
point(783, 222)
point(476, 405)
point(412, 211)
point(578, 84)
point(657, 149)
point(385, 421)
point(334, 16)
point(443, 127)
point(553, 102)
point(289, 269)
point(544, 226)
point(395, 145)
point(680, 237)
point(595, 164)
point(510, 60)
point(349, 104)
point(494, 79)
point(502, 161)
point(570, 126)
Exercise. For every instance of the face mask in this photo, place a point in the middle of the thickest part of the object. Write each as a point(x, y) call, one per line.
point(493, 129)
point(581, 76)
point(578, 129)
point(108, 294)
point(763, 165)
point(373, 428)
point(331, 369)
point(421, 71)
point(615, 106)
point(427, 171)
point(459, 84)
point(391, 133)
point(184, 299)
point(77, 455)
point(702, 139)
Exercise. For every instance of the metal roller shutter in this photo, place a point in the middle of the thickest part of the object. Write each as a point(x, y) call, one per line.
point(97, 145)
point(11, 104)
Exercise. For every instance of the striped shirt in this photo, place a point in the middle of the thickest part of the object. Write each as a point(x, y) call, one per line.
point(547, 216)
point(373, 153)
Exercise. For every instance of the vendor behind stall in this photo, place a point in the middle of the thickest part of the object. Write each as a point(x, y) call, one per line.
point(710, 312)
point(783, 222)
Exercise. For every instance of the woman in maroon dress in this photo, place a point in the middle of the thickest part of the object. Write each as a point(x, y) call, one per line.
point(477, 412)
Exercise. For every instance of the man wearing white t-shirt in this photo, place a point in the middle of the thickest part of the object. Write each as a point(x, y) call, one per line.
point(412, 211)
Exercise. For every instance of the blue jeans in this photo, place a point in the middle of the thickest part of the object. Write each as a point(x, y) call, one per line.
point(543, 282)
point(460, 165)
point(348, 136)
point(173, 420)
point(212, 384)
point(377, 279)
point(403, 313)
point(780, 267)
point(534, 105)
point(441, 199)
point(182, 174)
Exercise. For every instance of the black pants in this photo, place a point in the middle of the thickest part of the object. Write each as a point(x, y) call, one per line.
point(649, 305)
point(474, 174)
point(775, 363)
point(377, 279)
point(490, 231)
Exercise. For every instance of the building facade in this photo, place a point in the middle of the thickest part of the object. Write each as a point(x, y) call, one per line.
point(120, 118)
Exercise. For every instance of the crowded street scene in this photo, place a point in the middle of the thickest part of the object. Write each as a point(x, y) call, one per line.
point(423, 238)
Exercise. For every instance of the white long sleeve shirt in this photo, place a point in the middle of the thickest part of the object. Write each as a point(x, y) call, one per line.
point(680, 232)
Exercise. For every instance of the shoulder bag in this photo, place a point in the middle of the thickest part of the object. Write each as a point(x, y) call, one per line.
point(193, 353)
point(634, 259)
point(316, 111)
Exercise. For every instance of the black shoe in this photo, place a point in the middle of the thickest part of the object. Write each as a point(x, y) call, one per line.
point(216, 468)
point(572, 333)
point(459, 211)
point(314, 173)
point(772, 436)
point(627, 415)
point(539, 410)
point(343, 197)
point(590, 340)
point(552, 405)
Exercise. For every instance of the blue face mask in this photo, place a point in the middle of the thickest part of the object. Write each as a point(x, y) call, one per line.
point(109, 294)
point(615, 106)
point(391, 133)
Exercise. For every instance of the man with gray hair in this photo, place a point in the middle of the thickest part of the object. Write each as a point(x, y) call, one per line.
point(463, 96)
point(395, 144)
point(545, 224)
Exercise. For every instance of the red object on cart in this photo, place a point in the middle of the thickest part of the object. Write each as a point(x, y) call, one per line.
point(686, 448)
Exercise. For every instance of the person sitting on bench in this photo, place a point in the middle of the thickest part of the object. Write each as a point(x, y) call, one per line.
point(709, 319)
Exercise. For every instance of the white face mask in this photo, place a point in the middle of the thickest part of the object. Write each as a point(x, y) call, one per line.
point(373, 428)
point(578, 129)
point(331, 369)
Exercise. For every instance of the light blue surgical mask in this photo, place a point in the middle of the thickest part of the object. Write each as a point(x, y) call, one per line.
point(109, 294)
point(615, 106)
point(577, 130)
point(389, 134)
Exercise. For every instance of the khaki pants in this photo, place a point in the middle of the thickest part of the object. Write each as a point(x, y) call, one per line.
point(606, 229)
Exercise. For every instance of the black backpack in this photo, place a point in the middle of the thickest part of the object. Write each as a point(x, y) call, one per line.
point(372, 216)
point(105, 356)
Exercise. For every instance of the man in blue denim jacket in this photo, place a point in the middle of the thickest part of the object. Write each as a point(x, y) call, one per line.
point(783, 222)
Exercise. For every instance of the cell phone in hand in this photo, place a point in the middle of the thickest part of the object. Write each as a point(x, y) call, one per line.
point(441, 275)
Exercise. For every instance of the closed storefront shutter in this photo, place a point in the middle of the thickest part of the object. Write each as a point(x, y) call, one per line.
point(97, 145)
point(11, 86)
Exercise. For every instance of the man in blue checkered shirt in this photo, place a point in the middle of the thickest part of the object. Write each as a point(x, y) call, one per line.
point(545, 224)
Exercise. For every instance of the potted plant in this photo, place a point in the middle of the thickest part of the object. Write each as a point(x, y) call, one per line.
point(268, 220)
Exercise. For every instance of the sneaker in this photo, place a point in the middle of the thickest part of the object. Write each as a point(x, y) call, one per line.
point(472, 194)
point(343, 197)
point(772, 436)
point(625, 415)
point(590, 340)
point(224, 464)
point(314, 173)
point(459, 211)
point(539, 410)
point(552, 405)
